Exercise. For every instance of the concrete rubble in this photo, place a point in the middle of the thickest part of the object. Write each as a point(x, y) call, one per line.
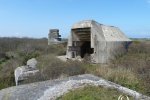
point(23, 72)
point(54, 37)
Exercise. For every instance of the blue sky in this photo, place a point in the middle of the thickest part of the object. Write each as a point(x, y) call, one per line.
point(34, 18)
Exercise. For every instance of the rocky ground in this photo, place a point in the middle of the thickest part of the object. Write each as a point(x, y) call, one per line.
point(50, 90)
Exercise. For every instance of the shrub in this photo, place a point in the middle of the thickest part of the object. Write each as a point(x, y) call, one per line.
point(52, 68)
point(7, 73)
point(136, 60)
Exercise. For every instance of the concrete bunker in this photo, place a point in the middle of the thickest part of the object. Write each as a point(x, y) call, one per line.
point(54, 37)
point(96, 42)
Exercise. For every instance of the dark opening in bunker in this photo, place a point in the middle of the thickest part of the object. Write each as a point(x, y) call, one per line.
point(86, 49)
point(83, 40)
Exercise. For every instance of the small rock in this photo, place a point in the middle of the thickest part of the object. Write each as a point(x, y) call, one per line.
point(32, 63)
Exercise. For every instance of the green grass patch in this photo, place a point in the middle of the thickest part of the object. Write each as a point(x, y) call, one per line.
point(92, 93)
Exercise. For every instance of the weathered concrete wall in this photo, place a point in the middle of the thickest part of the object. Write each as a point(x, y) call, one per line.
point(53, 36)
point(68, 53)
point(50, 90)
point(107, 41)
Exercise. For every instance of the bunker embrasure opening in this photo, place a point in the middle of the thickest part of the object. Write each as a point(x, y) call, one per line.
point(82, 41)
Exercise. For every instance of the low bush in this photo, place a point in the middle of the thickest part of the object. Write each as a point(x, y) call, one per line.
point(137, 60)
point(7, 73)
point(131, 70)
point(52, 68)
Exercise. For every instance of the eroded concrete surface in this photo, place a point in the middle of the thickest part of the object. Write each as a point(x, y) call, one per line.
point(50, 90)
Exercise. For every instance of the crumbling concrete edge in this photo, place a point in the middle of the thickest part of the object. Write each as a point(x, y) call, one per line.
point(60, 89)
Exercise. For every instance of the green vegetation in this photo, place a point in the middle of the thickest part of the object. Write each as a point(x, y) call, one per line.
point(52, 68)
point(92, 93)
point(14, 52)
point(130, 70)
point(122, 76)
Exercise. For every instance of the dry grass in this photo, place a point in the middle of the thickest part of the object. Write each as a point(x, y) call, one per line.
point(7, 73)
point(131, 70)
point(122, 76)
point(52, 68)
